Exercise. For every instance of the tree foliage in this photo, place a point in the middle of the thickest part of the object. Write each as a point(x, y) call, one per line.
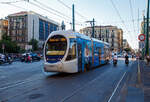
point(9, 45)
point(34, 44)
point(127, 49)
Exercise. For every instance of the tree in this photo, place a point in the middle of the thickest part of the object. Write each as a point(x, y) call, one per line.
point(10, 46)
point(34, 44)
point(127, 49)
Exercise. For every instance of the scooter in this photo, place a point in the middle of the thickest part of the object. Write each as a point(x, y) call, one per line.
point(115, 61)
point(127, 62)
point(8, 60)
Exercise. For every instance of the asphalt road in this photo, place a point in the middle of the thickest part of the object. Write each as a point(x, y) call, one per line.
point(26, 82)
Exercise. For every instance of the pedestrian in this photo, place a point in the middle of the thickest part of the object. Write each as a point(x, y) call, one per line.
point(148, 59)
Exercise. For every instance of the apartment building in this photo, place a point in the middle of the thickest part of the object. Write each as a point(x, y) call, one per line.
point(109, 34)
point(24, 26)
point(3, 27)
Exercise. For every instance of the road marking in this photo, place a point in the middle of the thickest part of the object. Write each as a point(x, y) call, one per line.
point(2, 77)
point(116, 87)
point(6, 86)
point(80, 88)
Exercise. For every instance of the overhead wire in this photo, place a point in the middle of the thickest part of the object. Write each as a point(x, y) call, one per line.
point(131, 9)
point(67, 19)
point(132, 17)
point(57, 13)
point(39, 6)
point(118, 13)
point(51, 8)
point(122, 21)
point(71, 9)
point(11, 2)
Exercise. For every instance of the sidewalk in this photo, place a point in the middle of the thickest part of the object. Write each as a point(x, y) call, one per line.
point(134, 85)
point(145, 77)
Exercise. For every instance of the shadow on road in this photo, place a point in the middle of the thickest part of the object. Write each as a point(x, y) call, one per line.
point(61, 75)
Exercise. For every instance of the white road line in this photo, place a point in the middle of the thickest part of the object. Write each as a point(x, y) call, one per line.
point(116, 87)
point(139, 73)
point(3, 88)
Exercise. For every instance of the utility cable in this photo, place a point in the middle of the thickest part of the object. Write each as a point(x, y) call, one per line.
point(51, 8)
point(71, 9)
point(15, 6)
point(131, 9)
point(122, 21)
point(58, 15)
point(48, 10)
point(11, 2)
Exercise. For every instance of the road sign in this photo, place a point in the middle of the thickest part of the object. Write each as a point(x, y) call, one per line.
point(141, 44)
point(141, 37)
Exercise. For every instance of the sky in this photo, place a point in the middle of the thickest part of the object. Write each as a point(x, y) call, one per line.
point(125, 14)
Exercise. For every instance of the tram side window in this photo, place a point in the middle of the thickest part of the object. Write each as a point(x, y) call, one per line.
point(72, 51)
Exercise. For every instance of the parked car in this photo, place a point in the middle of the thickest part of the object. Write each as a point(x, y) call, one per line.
point(35, 57)
point(5, 59)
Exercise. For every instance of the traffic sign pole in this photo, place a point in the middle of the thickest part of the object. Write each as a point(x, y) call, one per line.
point(147, 30)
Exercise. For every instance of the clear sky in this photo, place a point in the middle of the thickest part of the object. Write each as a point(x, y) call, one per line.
point(102, 10)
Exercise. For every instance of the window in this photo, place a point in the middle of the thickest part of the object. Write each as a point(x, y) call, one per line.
point(55, 48)
point(72, 50)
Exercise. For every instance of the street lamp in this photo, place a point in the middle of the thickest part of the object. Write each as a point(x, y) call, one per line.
point(73, 17)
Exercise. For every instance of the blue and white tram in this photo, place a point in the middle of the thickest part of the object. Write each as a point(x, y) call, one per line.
point(67, 51)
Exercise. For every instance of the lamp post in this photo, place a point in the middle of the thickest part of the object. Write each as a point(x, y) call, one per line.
point(73, 17)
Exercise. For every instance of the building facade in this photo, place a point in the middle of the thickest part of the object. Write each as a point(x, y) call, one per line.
point(3, 27)
point(24, 26)
point(109, 34)
point(125, 44)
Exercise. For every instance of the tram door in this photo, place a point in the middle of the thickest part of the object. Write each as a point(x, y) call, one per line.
point(79, 46)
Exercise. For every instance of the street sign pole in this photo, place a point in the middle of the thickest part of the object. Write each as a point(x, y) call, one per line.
point(3, 47)
point(143, 50)
point(147, 31)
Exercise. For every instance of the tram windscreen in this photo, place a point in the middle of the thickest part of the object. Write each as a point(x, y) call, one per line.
point(55, 48)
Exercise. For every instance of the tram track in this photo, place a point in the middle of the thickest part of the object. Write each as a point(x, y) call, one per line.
point(51, 82)
point(90, 83)
point(11, 85)
point(21, 81)
point(111, 94)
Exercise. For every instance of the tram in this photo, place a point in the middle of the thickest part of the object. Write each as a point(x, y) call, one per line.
point(71, 52)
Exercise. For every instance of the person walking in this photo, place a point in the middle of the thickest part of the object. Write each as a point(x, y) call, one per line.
point(147, 59)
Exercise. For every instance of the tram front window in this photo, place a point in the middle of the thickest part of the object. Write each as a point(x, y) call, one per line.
point(55, 48)
point(72, 50)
